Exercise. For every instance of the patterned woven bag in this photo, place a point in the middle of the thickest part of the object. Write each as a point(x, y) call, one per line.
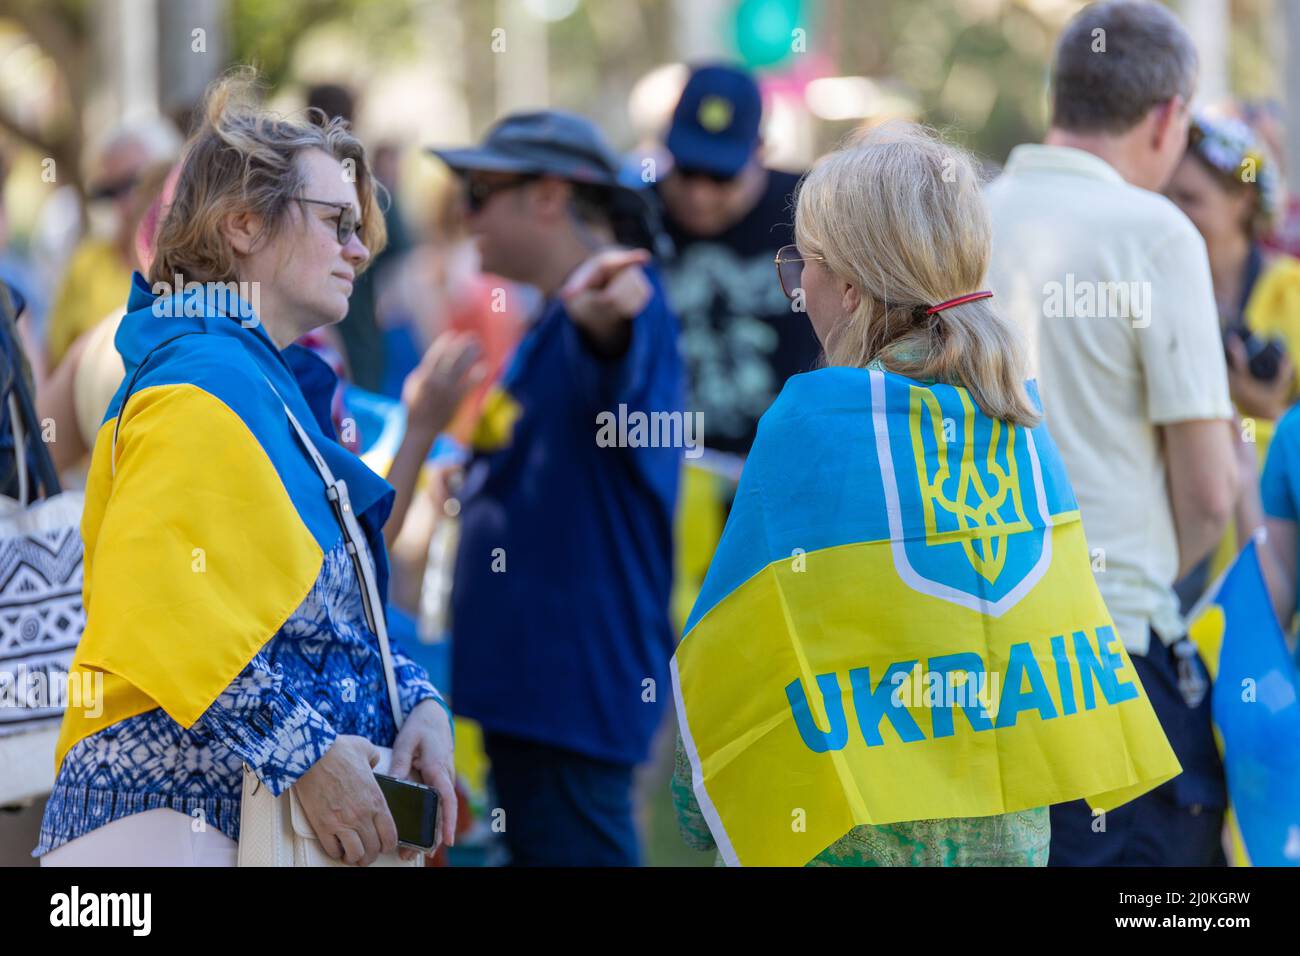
point(41, 614)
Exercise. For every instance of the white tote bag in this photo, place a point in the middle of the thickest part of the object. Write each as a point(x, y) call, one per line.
point(274, 831)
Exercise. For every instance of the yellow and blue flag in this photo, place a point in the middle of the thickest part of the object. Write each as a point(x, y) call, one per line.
point(1255, 705)
point(901, 623)
point(205, 523)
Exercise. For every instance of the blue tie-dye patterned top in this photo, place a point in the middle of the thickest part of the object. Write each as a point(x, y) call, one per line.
point(320, 676)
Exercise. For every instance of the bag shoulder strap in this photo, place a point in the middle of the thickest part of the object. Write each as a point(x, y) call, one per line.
point(336, 490)
point(23, 421)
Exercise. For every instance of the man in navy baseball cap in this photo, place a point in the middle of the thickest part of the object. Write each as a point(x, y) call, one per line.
point(727, 215)
point(715, 128)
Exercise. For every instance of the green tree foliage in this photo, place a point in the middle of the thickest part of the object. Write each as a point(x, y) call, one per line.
point(264, 33)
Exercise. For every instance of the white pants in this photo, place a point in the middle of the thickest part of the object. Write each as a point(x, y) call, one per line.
point(162, 837)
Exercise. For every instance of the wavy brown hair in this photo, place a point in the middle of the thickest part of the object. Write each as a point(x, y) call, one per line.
point(243, 159)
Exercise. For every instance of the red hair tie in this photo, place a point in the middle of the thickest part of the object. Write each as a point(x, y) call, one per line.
point(960, 300)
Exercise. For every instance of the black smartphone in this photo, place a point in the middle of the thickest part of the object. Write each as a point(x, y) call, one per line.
point(415, 811)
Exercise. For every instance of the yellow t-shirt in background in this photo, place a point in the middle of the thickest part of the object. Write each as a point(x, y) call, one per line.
point(96, 281)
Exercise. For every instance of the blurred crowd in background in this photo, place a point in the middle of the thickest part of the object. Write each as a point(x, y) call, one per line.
point(96, 101)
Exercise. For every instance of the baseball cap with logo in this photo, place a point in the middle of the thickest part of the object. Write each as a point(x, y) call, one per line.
point(715, 127)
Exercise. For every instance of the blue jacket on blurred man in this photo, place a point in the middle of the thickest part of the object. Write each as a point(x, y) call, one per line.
point(560, 628)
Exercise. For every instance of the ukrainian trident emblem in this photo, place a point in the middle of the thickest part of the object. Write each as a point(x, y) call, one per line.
point(973, 506)
point(968, 514)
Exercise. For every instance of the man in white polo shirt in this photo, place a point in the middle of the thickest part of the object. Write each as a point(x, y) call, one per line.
point(1111, 284)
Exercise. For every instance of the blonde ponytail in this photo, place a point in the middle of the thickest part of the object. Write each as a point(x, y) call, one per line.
point(898, 214)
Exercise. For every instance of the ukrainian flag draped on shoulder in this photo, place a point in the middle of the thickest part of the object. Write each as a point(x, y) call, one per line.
point(901, 623)
point(205, 523)
point(1256, 711)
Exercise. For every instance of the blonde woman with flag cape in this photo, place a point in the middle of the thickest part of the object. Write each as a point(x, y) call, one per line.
point(899, 655)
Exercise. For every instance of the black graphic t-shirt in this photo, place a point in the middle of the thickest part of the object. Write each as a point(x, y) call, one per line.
point(739, 336)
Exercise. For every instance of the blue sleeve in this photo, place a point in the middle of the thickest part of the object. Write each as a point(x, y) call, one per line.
point(1280, 470)
point(413, 684)
point(629, 379)
point(272, 729)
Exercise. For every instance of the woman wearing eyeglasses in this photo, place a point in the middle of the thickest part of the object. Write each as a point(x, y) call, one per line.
point(901, 515)
point(235, 565)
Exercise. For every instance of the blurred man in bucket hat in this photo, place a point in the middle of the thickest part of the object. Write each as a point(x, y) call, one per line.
point(560, 627)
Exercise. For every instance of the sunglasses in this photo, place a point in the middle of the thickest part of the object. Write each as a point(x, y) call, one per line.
point(478, 191)
point(114, 190)
point(718, 179)
point(789, 269)
point(347, 222)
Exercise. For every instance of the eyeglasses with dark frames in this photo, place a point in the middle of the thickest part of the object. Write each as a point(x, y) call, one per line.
point(347, 222)
point(789, 269)
point(116, 189)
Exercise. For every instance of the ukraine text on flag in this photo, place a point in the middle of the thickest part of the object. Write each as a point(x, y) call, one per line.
point(901, 623)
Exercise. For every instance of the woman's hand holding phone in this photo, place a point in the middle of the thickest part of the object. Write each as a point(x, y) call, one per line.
point(344, 804)
point(424, 751)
